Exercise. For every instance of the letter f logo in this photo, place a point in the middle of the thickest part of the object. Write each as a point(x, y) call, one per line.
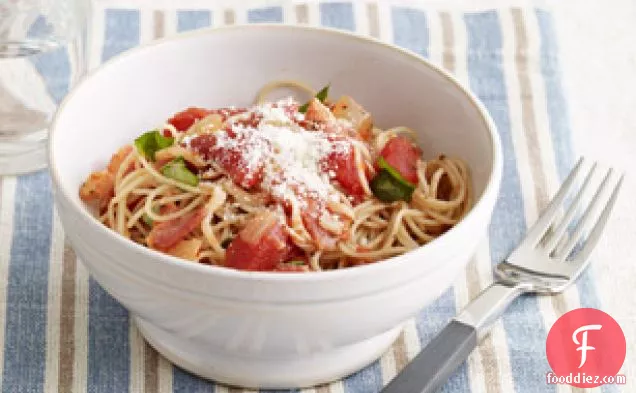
point(583, 344)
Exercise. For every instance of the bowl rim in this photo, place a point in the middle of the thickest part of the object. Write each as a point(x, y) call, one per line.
point(492, 185)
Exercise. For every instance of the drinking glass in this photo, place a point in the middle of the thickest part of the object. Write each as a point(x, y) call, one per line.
point(42, 54)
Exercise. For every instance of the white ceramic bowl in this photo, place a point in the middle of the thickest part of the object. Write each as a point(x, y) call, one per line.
point(266, 329)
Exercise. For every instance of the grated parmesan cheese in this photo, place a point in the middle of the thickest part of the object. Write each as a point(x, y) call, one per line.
point(289, 155)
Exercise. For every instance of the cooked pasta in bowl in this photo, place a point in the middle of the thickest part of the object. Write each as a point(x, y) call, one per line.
point(279, 186)
point(272, 203)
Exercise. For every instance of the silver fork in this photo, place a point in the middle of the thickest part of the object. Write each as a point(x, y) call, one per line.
point(543, 264)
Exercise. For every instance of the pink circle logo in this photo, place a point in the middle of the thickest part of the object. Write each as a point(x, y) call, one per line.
point(585, 348)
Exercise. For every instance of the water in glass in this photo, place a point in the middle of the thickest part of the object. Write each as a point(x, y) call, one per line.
point(41, 57)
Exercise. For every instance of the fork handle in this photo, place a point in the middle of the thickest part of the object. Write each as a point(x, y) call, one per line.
point(450, 348)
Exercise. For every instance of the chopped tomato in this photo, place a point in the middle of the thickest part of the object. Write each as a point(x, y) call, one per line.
point(235, 164)
point(231, 159)
point(260, 246)
point(184, 119)
point(247, 121)
point(166, 234)
point(402, 155)
point(290, 110)
point(344, 166)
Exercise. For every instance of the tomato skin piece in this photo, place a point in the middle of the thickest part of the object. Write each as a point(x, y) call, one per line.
point(184, 119)
point(230, 159)
point(344, 166)
point(166, 234)
point(233, 163)
point(265, 255)
point(402, 155)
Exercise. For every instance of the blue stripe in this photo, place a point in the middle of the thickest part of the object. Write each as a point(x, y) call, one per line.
point(410, 30)
point(55, 69)
point(193, 20)
point(368, 379)
point(184, 382)
point(108, 323)
point(54, 66)
point(27, 298)
point(522, 322)
point(558, 115)
point(265, 15)
point(122, 32)
point(560, 131)
point(108, 346)
point(337, 15)
point(429, 323)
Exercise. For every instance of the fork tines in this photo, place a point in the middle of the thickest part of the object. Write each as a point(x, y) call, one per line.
point(552, 237)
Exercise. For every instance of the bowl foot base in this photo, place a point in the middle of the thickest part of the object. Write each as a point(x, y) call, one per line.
point(294, 372)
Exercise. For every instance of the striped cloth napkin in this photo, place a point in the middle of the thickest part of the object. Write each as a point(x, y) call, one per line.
point(63, 333)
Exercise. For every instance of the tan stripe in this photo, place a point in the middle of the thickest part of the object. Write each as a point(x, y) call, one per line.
point(234, 390)
point(489, 364)
point(531, 132)
point(160, 28)
point(229, 17)
point(151, 363)
point(528, 118)
point(399, 353)
point(67, 320)
point(302, 13)
point(448, 55)
point(53, 309)
point(80, 328)
point(486, 348)
point(527, 109)
point(374, 20)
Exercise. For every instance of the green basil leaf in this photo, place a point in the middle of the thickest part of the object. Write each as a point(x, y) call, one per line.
point(151, 142)
point(146, 219)
point(323, 94)
point(320, 96)
point(388, 188)
point(177, 170)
